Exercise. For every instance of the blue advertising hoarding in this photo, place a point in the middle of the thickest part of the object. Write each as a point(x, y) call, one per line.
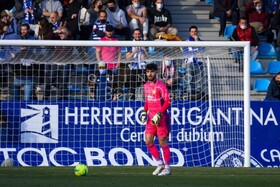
point(66, 133)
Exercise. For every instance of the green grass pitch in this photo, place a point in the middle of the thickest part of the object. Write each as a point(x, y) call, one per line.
point(140, 176)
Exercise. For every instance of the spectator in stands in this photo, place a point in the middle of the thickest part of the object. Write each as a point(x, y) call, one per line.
point(70, 14)
point(45, 33)
point(168, 75)
point(24, 71)
point(49, 6)
point(242, 6)
point(4, 68)
point(7, 17)
point(117, 18)
point(7, 52)
point(93, 11)
point(99, 26)
point(194, 66)
point(193, 32)
point(45, 29)
point(27, 11)
point(55, 21)
point(62, 54)
point(276, 26)
point(245, 32)
point(259, 19)
point(226, 9)
point(110, 55)
point(138, 17)
point(273, 7)
point(160, 20)
point(124, 3)
point(101, 83)
point(98, 31)
point(136, 56)
point(273, 92)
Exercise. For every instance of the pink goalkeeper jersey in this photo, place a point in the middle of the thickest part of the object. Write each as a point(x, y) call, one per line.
point(156, 97)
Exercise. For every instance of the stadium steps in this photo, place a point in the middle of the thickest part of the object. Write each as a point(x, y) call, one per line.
point(194, 12)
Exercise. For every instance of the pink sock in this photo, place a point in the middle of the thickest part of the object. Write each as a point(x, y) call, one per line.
point(166, 154)
point(154, 151)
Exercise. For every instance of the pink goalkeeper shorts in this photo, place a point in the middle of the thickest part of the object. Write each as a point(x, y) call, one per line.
point(161, 130)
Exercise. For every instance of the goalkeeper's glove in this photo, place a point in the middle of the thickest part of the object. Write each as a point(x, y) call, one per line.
point(143, 116)
point(156, 118)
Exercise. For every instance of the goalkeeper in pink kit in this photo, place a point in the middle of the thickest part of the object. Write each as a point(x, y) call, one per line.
point(156, 104)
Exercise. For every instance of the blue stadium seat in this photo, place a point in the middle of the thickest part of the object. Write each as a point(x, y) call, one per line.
point(209, 2)
point(229, 30)
point(273, 67)
point(261, 85)
point(266, 50)
point(256, 68)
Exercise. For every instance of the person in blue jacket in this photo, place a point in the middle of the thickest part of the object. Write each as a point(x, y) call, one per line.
point(102, 84)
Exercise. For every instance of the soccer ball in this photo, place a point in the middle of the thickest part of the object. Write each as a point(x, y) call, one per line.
point(81, 170)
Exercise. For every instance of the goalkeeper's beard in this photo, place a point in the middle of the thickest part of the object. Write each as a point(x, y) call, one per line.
point(152, 79)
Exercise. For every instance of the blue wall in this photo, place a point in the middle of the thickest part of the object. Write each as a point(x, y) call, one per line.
point(65, 133)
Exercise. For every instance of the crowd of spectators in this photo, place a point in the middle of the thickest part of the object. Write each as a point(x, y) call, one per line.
point(110, 20)
point(96, 20)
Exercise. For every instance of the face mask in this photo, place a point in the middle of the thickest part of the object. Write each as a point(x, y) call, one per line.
point(100, 7)
point(159, 6)
point(103, 20)
point(168, 62)
point(243, 27)
point(136, 5)
point(102, 71)
point(112, 9)
point(258, 7)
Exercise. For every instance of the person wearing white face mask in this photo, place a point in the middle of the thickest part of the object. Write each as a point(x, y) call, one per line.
point(138, 15)
point(101, 83)
point(160, 20)
point(259, 19)
point(245, 32)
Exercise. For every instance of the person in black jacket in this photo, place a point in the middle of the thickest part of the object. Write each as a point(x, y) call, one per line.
point(70, 15)
point(273, 92)
point(226, 9)
point(276, 25)
point(160, 20)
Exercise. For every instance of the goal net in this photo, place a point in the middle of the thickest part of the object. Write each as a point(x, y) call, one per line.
point(62, 106)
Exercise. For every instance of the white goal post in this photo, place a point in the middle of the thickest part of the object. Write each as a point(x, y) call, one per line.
point(245, 58)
